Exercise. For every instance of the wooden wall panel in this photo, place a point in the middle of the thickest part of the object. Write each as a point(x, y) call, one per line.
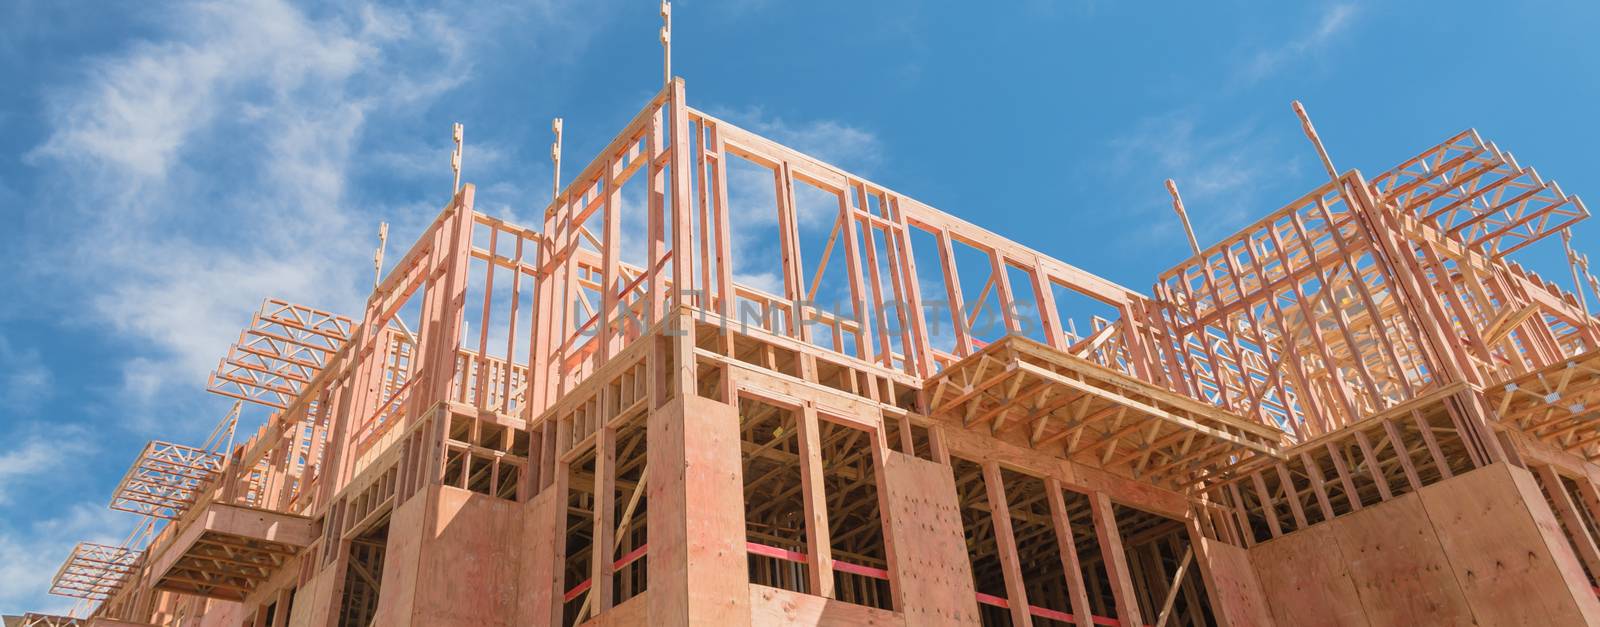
point(401, 561)
point(1398, 566)
point(931, 567)
point(467, 576)
point(1304, 578)
point(314, 602)
point(1511, 562)
point(448, 560)
point(1482, 548)
point(536, 579)
point(1236, 595)
point(773, 606)
point(222, 614)
point(634, 611)
point(698, 570)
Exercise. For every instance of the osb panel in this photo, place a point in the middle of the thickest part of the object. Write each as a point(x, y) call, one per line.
point(697, 567)
point(935, 579)
point(401, 561)
point(221, 613)
point(1235, 589)
point(634, 611)
point(1398, 566)
point(313, 601)
point(772, 606)
point(1304, 578)
point(1560, 549)
point(536, 575)
point(467, 578)
point(1500, 555)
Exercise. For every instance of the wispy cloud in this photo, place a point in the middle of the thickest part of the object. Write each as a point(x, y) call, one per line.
point(30, 553)
point(31, 459)
point(222, 157)
point(24, 379)
point(1224, 173)
point(1334, 20)
point(841, 144)
point(213, 166)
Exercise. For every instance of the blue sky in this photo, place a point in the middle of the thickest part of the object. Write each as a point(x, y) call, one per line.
point(165, 166)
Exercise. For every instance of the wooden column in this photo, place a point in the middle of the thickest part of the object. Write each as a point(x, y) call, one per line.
point(604, 531)
point(1116, 560)
point(543, 521)
point(1000, 513)
point(682, 203)
point(442, 336)
point(698, 565)
point(1082, 614)
point(819, 553)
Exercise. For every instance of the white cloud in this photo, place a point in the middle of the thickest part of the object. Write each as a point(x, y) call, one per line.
point(137, 111)
point(30, 458)
point(30, 554)
point(843, 145)
point(35, 451)
point(24, 379)
point(211, 165)
point(1334, 20)
point(27, 460)
point(1223, 174)
point(214, 166)
point(765, 281)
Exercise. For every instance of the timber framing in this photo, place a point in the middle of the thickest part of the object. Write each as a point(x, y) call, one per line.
point(593, 420)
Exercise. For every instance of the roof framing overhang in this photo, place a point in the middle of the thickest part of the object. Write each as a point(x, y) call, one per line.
point(1095, 415)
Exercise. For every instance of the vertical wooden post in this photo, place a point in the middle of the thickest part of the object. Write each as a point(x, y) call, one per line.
point(682, 201)
point(656, 194)
point(1049, 318)
point(555, 161)
point(604, 531)
point(455, 160)
point(1082, 613)
point(1000, 514)
point(443, 338)
point(794, 287)
point(919, 355)
point(558, 491)
point(610, 268)
point(1115, 559)
point(819, 548)
point(666, 41)
point(726, 305)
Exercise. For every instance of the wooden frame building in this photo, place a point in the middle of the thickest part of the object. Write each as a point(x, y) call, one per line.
point(1358, 410)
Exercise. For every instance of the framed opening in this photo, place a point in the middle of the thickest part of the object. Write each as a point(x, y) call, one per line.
point(774, 509)
point(855, 519)
point(579, 538)
point(1161, 566)
point(363, 579)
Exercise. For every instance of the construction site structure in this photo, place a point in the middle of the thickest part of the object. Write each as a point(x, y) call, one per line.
point(1356, 411)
